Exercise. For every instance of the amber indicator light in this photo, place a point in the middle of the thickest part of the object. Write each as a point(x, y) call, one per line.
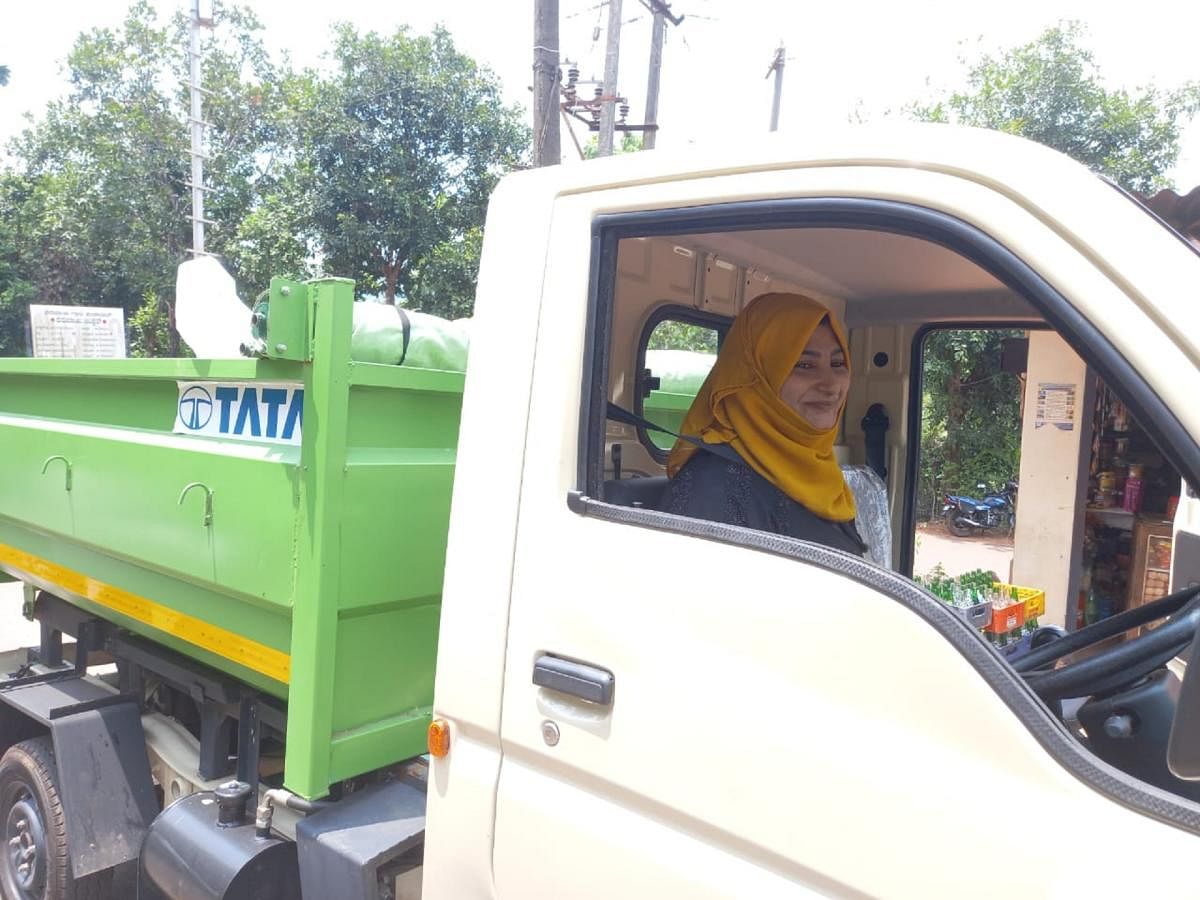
point(439, 738)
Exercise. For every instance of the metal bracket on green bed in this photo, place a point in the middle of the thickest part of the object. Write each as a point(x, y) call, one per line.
point(281, 325)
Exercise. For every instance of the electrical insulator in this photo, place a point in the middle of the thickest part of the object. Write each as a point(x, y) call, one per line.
point(573, 76)
point(599, 92)
point(624, 111)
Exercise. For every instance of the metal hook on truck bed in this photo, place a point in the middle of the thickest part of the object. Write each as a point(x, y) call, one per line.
point(208, 503)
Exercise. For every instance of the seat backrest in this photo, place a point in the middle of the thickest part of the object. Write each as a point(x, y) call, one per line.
point(872, 517)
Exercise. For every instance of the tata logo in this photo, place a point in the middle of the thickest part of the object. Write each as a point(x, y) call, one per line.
point(251, 412)
point(195, 408)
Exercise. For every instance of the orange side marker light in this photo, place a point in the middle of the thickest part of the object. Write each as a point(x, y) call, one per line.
point(439, 738)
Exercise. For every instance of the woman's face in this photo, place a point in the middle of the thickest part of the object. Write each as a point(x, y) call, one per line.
point(817, 386)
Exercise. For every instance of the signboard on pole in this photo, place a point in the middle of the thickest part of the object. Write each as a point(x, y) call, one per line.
point(81, 332)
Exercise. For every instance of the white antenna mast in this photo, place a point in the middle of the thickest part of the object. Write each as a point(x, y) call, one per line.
point(197, 124)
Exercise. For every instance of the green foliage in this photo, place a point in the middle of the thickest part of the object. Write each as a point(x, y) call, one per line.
point(630, 143)
point(443, 282)
point(151, 329)
point(404, 145)
point(1050, 90)
point(971, 416)
point(379, 172)
point(100, 193)
point(674, 335)
point(16, 292)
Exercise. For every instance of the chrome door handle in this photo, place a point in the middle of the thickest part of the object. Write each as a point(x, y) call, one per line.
point(581, 680)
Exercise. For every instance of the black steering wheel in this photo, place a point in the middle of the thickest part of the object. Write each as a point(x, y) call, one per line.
point(1121, 664)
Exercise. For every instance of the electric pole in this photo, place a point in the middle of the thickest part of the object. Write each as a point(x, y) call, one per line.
point(662, 14)
point(197, 124)
point(777, 68)
point(547, 146)
point(612, 57)
point(658, 29)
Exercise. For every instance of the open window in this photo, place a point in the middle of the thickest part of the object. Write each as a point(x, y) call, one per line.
point(677, 351)
point(903, 279)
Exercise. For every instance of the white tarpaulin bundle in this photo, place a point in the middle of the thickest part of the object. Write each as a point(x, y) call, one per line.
point(395, 336)
point(680, 371)
point(215, 323)
point(209, 316)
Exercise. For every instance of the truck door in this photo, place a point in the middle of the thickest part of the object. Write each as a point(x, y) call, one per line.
point(696, 710)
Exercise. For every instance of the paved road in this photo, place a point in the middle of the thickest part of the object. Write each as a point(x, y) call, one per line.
point(957, 555)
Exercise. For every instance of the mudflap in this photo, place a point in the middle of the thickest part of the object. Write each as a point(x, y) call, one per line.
point(103, 773)
point(375, 832)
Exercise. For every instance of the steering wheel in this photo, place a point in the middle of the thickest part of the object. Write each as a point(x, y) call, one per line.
point(1121, 664)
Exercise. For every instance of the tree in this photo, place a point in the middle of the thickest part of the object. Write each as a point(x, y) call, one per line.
point(1050, 90)
point(671, 334)
point(15, 289)
point(970, 415)
point(630, 143)
point(380, 172)
point(3, 75)
point(405, 145)
point(99, 200)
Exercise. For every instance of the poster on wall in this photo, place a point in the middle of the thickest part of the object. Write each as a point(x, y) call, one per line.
point(1056, 405)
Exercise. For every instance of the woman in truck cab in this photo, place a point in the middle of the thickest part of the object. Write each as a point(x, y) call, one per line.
point(768, 417)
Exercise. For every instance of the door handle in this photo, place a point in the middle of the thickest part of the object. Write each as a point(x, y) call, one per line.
point(578, 679)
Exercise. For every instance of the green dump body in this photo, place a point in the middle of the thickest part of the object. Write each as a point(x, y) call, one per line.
point(311, 570)
point(681, 374)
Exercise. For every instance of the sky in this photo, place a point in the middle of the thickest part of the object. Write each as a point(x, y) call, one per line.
point(843, 60)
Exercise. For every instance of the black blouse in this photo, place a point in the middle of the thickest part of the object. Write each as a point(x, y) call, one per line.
point(721, 490)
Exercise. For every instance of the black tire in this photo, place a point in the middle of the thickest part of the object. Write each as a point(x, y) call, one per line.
point(953, 526)
point(31, 812)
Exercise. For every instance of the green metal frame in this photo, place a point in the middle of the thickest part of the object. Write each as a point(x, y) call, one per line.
point(331, 552)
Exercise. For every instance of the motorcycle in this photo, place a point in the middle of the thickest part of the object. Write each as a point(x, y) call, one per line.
point(997, 511)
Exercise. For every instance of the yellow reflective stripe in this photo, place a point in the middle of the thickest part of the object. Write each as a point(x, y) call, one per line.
point(251, 654)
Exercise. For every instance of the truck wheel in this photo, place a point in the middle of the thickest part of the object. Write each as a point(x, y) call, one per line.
point(35, 862)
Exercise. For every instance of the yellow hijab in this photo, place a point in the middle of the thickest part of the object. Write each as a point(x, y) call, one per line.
point(739, 405)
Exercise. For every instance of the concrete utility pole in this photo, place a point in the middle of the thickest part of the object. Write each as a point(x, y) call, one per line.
point(777, 68)
point(197, 124)
point(662, 12)
point(658, 29)
point(612, 57)
point(547, 141)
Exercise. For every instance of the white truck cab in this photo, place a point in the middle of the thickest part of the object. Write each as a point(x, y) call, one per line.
point(643, 705)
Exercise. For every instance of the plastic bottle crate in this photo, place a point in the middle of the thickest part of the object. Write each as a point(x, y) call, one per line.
point(1007, 618)
point(1035, 600)
point(978, 616)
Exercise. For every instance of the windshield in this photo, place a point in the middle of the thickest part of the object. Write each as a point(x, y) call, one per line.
point(1141, 204)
